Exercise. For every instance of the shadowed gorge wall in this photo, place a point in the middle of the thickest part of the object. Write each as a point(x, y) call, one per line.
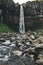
point(10, 14)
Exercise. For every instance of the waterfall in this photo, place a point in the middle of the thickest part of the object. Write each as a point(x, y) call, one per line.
point(21, 24)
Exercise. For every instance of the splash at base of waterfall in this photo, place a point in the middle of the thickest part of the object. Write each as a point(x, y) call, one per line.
point(21, 24)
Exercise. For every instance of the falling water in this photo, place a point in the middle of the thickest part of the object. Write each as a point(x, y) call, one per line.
point(21, 24)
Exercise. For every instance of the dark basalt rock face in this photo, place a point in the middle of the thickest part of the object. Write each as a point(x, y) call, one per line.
point(10, 14)
point(33, 12)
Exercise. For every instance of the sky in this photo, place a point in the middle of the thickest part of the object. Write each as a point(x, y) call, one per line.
point(21, 1)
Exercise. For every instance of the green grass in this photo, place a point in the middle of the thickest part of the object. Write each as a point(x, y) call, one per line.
point(4, 28)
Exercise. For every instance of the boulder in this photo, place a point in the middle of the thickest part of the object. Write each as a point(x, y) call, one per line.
point(39, 40)
point(17, 52)
point(32, 37)
point(27, 59)
point(40, 62)
point(40, 56)
point(2, 40)
point(7, 42)
point(13, 44)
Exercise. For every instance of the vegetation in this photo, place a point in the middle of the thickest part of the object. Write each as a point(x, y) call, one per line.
point(4, 28)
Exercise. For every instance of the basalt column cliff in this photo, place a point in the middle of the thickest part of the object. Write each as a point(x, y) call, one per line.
point(10, 14)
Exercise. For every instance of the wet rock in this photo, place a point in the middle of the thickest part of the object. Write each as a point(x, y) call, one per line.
point(38, 42)
point(40, 62)
point(7, 42)
point(41, 39)
point(39, 45)
point(2, 40)
point(22, 47)
point(32, 37)
point(40, 32)
point(12, 38)
point(40, 56)
point(4, 53)
point(16, 61)
point(19, 44)
point(29, 51)
point(17, 52)
point(32, 57)
point(13, 44)
point(25, 47)
point(27, 59)
point(27, 43)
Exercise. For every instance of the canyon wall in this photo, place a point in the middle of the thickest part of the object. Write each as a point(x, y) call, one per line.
point(10, 14)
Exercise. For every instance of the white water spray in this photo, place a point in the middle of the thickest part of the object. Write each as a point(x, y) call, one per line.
point(21, 24)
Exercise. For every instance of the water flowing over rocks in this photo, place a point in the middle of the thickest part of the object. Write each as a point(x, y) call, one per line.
point(22, 49)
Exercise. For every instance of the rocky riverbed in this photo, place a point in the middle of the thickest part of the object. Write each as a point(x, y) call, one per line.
point(10, 14)
point(21, 49)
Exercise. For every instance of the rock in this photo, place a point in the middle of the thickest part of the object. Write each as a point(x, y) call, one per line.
point(38, 42)
point(13, 44)
point(4, 58)
point(17, 52)
point(27, 59)
point(12, 38)
point(39, 45)
point(4, 53)
point(32, 57)
point(23, 36)
point(3, 34)
point(40, 56)
point(32, 37)
point(28, 43)
point(40, 32)
point(40, 62)
point(2, 40)
point(22, 47)
point(19, 44)
point(16, 61)
point(19, 37)
point(29, 50)
point(7, 42)
point(29, 39)
point(41, 39)
point(11, 18)
point(0, 11)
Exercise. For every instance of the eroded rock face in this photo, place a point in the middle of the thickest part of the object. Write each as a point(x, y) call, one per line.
point(11, 14)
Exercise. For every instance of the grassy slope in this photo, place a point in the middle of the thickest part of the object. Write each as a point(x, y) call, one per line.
point(4, 27)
